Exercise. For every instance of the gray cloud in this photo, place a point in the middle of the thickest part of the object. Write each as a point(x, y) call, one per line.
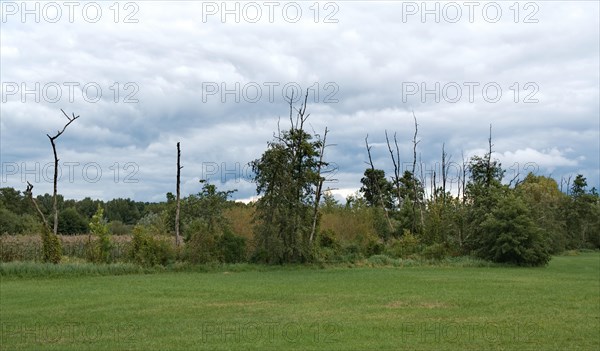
point(370, 57)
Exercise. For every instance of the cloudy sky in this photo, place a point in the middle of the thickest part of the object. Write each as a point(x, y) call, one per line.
point(143, 75)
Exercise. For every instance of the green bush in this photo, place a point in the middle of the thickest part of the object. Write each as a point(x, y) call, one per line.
point(382, 260)
point(351, 253)
point(435, 252)
point(206, 245)
point(51, 248)
point(154, 223)
point(101, 249)
point(509, 235)
point(201, 247)
point(30, 224)
point(407, 246)
point(119, 228)
point(260, 255)
point(328, 249)
point(374, 247)
point(232, 248)
point(328, 238)
point(148, 250)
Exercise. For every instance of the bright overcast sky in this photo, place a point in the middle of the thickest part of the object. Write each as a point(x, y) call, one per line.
point(214, 78)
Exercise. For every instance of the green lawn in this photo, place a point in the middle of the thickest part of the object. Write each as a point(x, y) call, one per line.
point(418, 308)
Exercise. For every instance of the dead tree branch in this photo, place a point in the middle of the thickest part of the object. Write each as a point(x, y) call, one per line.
point(52, 141)
point(377, 187)
point(30, 195)
point(396, 163)
point(414, 166)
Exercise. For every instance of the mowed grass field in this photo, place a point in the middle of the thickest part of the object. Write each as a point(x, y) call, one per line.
point(415, 308)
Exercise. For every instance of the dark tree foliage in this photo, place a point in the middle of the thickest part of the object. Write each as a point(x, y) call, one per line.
point(509, 235)
point(87, 207)
point(46, 202)
point(10, 222)
point(411, 194)
point(483, 192)
point(287, 176)
point(70, 222)
point(208, 206)
point(582, 211)
point(207, 232)
point(376, 189)
point(124, 210)
point(545, 201)
point(14, 201)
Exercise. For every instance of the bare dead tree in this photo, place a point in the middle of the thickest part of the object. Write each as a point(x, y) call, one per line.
point(419, 201)
point(178, 200)
point(377, 187)
point(29, 194)
point(488, 163)
point(396, 163)
point(445, 167)
point(53, 142)
point(567, 183)
point(464, 176)
point(319, 189)
point(295, 145)
point(414, 167)
point(515, 179)
point(434, 186)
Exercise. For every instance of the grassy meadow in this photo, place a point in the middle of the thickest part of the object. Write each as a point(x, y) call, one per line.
point(307, 308)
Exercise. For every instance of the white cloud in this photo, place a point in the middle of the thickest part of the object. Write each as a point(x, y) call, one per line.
point(548, 159)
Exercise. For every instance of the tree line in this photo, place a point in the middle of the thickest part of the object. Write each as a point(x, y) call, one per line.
point(296, 220)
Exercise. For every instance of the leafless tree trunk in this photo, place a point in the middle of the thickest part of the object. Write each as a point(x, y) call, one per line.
point(387, 217)
point(177, 236)
point(445, 165)
point(396, 163)
point(488, 163)
point(52, 141)
point(419, 200)
point(434, 186)
point(567, 183)
point(464, 176)
point(414, 167)
point(319, 187)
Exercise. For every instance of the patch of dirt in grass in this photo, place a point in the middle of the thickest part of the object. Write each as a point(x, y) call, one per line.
point(240, 304)
point(414, 304)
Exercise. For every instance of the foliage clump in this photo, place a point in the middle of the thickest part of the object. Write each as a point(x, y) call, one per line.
point(149, 250)
point(100, 250)
point(51, 248)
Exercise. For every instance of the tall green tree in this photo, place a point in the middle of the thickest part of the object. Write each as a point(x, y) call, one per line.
point(376, 189)
point(483, 191)
point(545, 201)
point(287, 178)
point(411, 194)
point(207, 206)
point(583, 226)
point(100, 251)
point(509, 235)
